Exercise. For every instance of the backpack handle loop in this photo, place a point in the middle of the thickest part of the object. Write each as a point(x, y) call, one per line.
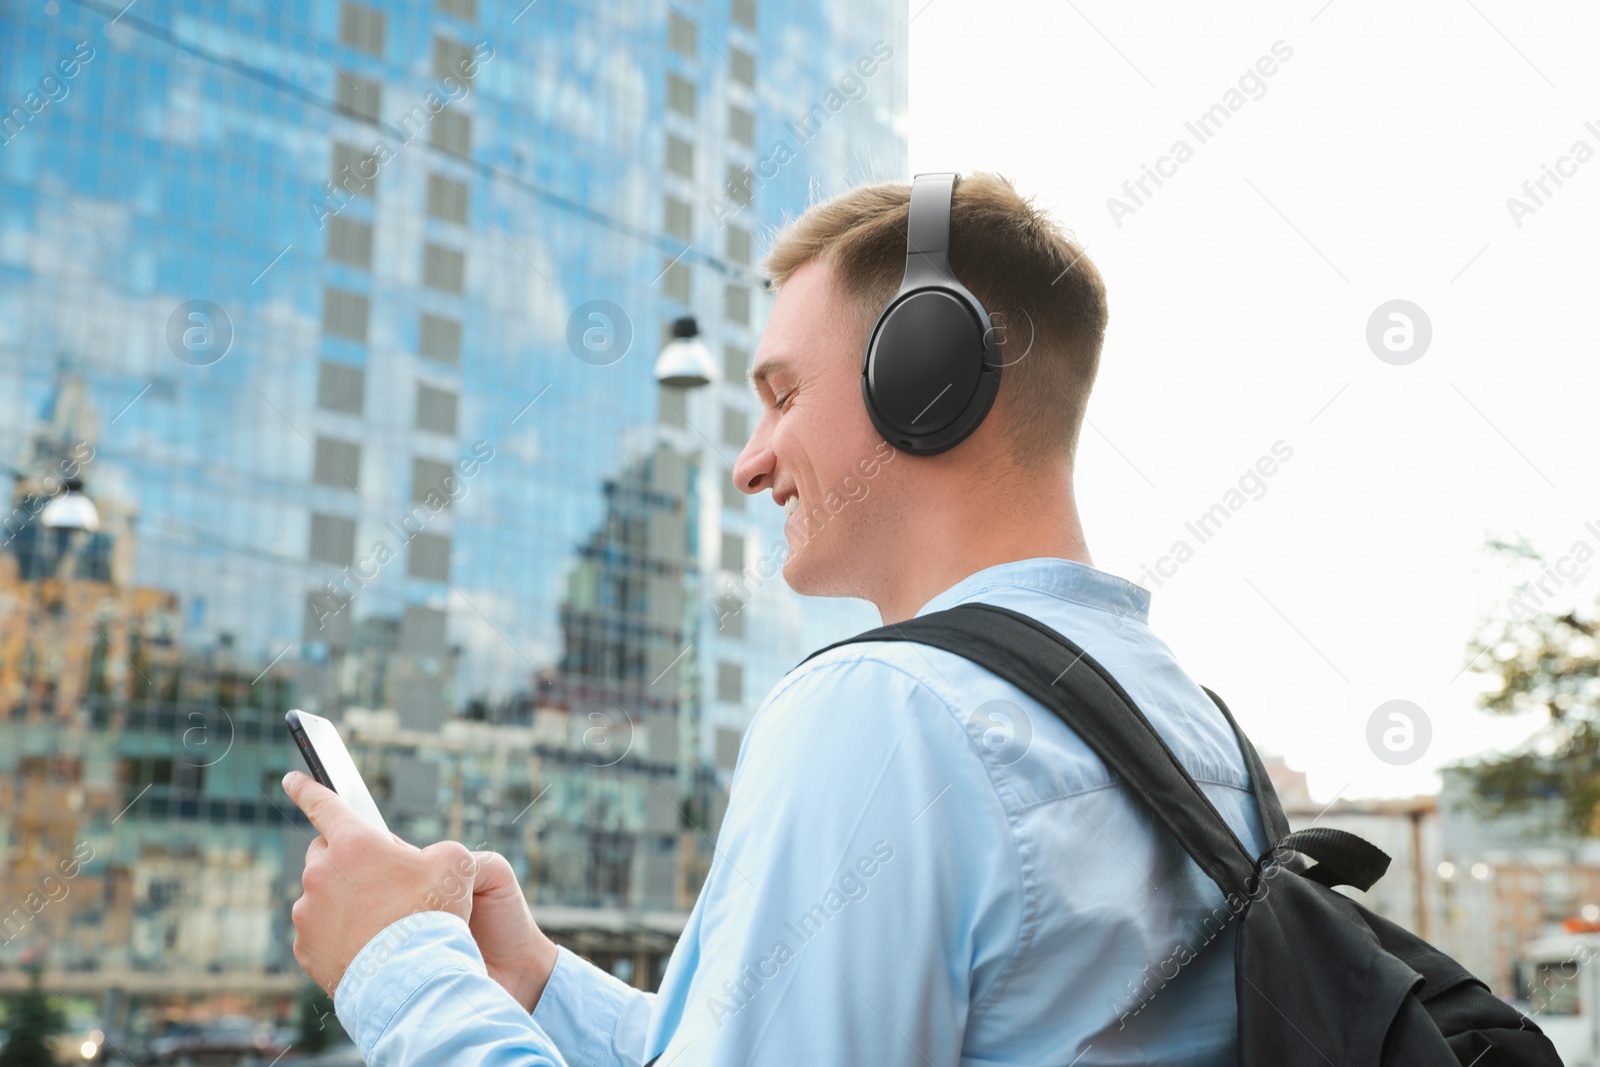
point(1342, 858)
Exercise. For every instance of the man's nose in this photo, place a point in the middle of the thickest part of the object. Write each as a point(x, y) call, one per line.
point(752, 471)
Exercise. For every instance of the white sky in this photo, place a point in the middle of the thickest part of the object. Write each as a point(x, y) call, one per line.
point(1376, 166)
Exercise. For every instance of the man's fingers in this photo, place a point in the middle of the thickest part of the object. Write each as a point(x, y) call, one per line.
point(456, 872)
point(326, 809)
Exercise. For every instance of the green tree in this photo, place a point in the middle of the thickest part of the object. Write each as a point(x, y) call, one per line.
point(319, 1026)
point(1543, 659)
point(32, 1022)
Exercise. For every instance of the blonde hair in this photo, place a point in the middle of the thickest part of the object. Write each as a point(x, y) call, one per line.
point(1031, 277)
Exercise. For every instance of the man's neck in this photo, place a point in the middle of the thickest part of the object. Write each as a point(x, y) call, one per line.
point(988, 530)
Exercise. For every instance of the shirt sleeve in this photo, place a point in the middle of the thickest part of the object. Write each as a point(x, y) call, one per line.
point(595, 1018)
point(419, 994)
point(863, 892)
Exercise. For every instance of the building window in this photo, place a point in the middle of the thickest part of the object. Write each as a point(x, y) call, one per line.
point(732, 553)
point(732, 497)
point(443, 268)
point(743, 64)
point(340, 387)
point(349, 241)
point(422, 631)
point(735, 364)
point(344, 314)
point(353, 172)
point(358, 96)
point(452, 131)
point(679, 219)
point(675, 281)
point(739, 249)
point(452, 59)
point(681, 34)
point(361, 27)
point(730, 683)
point(744, 13)
point(441, 339)
point(430, 476)
point(326, 620)
point(680, 95)
point(333, 539)
point(446, 199)
point(735, 427)
point(728, 742)
point(429, 558)
point(736, 303)
point(670, 406)
point(461, 9)
point(337, 463)
point(730, 616)
point(436, 410)
point(680, 156)
point(739, 184)
point(741, 125)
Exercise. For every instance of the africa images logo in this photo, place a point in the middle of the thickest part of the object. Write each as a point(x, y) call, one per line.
point(1251, 85)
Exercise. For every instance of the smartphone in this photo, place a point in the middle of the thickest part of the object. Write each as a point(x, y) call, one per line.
point(330, 763)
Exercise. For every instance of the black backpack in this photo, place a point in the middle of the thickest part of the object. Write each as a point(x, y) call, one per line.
point(1320, 980)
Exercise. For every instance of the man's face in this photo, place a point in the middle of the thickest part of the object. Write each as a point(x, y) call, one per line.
point(814, 447)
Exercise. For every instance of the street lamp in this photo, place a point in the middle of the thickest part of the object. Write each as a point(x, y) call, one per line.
point(685, 362)
point(71, 510)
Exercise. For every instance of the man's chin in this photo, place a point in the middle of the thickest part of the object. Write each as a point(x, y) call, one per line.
point(807, 571)
point(800, 580)
point(796, 572)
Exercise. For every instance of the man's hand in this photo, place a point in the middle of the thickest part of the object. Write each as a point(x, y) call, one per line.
point(518, 954)
point(357, 881)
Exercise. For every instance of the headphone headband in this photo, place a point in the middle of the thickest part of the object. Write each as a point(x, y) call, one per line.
point(928, 224)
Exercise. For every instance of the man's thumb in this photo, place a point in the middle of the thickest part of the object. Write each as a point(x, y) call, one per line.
point(320, 804)
point(494, 874)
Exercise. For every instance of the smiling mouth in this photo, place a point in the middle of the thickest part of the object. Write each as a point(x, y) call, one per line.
point(791, 505)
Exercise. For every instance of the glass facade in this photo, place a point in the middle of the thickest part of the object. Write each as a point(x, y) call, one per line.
point(342, 316)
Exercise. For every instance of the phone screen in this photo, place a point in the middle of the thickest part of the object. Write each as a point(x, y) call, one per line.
point(330, 763)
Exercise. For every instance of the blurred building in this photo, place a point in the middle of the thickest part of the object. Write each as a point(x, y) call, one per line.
point(343, 315)
point(1482, 887)
point(1508, 880)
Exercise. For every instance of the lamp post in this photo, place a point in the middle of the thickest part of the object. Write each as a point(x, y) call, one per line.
point(685, 364)
point(70, 509)
point(66, 509)
point(75, 516)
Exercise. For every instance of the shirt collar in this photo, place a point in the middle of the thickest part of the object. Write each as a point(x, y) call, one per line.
point(1064, 578)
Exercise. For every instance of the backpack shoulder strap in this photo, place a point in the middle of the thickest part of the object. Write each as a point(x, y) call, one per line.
point(1273, 820)
point(1065, 679)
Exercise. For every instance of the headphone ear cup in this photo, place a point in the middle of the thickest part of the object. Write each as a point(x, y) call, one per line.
point(925, 381)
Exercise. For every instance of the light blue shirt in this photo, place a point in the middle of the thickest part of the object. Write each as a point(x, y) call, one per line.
point(919, 865)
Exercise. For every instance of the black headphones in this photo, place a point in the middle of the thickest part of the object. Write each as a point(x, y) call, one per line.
point(932, 365)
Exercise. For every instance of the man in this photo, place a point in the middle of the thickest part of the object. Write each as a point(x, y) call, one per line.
point(919, 864)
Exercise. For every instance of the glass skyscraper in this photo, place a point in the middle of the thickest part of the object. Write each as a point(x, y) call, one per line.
point(338, 319)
